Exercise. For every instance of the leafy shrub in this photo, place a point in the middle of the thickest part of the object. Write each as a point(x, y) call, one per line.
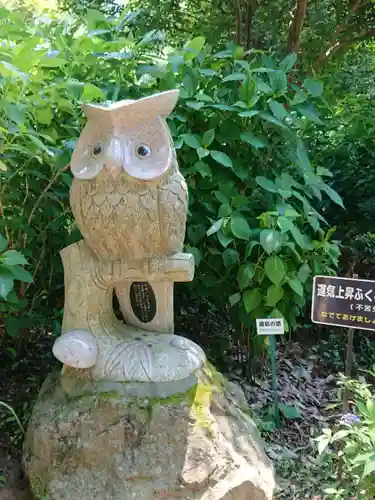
point(254, 222)
point(48, 66)
point(254, 191)
point(349, 448)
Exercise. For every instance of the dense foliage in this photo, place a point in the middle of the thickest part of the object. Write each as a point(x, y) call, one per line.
point(254, 222)
point(347, 448)
point(273, 146)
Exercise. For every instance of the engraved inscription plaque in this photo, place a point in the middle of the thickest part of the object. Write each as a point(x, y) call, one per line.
point(143, 301)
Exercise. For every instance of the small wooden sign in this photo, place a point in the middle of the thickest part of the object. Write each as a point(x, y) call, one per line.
point(345, 302)
point(270, 326)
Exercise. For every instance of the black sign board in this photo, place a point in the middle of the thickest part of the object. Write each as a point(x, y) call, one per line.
point(143, 301)
point(344, 302)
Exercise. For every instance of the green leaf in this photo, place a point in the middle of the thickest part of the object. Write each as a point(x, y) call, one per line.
point(249, 114)
point(202, 153)
point(271, 240)
point(19, 273)
point(288, 62)
point(314, 223)
point(275, 269)
point(207, 72)
point(302, 158)
point(208, 137)
point(244, 275)
point(296, 285)
point(197, 254)
point(234, 299)
point(234, 77)
point(195, 105)
point(278, 110)
point(274, 294)
point(91, 92)
point(240, 228)
point(3, 243)
point(314, 87)
point(252, 140)
point(278, 81)
point(271, 119)
point(43, 115)
point(369, 467)
point(12, 258)
point(298, 236)
point(11, 70)
point(304, 272)
point(252, 299)
point(230, 257)
point(191, 140)
point(362, 457)
point(224, 239)
point(193, 47)
point(248, 90)
point(309, 111)
point(340, 434)
point(266, 184)
point(284, 224)
point(290, 412)
point(215, 227)
point(6, 282)
point(335, 197)
point(222, 158)
point(40, 144)
point(225, 210)
point(203, 169)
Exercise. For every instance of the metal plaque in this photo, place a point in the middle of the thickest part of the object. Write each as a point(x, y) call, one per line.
point(143, 301)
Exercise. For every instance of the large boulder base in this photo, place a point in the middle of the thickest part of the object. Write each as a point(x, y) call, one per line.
point(186, 440)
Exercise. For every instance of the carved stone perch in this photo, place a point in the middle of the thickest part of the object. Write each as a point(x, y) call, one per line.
point(92, 336)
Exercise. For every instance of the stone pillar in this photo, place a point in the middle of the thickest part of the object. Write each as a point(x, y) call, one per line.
point(137, 412)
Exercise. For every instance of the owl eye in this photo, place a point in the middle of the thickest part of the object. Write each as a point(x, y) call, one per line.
point(97, 150)
point(143, 151)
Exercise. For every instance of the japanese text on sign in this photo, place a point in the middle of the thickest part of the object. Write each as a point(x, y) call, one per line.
point(344, 302)
point(270, 326)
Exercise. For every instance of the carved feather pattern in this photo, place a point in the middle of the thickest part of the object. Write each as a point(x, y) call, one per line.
point(128, 219)
point(173, 202)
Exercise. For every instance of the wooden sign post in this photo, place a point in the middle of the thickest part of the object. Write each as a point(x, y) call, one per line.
point(272, 327)
point(344, 302)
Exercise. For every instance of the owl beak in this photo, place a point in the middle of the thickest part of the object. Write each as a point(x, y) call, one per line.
point(114, 171)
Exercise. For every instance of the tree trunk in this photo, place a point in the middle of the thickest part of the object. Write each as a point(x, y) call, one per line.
point(294, 38)
point(237, 4)
point(251, 8)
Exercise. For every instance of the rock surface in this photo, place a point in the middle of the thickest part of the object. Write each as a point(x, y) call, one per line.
point(186, 440)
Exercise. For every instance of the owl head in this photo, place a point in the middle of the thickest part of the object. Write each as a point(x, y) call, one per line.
point(127, 136)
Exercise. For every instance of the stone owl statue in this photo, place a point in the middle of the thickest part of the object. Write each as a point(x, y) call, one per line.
point(128, 196)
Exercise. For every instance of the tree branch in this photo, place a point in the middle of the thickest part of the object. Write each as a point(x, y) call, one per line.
point(335, 43)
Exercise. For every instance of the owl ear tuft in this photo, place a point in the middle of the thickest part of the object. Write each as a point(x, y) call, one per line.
point(92, 110)
point(161, 104)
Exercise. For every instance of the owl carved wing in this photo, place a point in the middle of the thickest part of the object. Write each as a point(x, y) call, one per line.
point(173, 205)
